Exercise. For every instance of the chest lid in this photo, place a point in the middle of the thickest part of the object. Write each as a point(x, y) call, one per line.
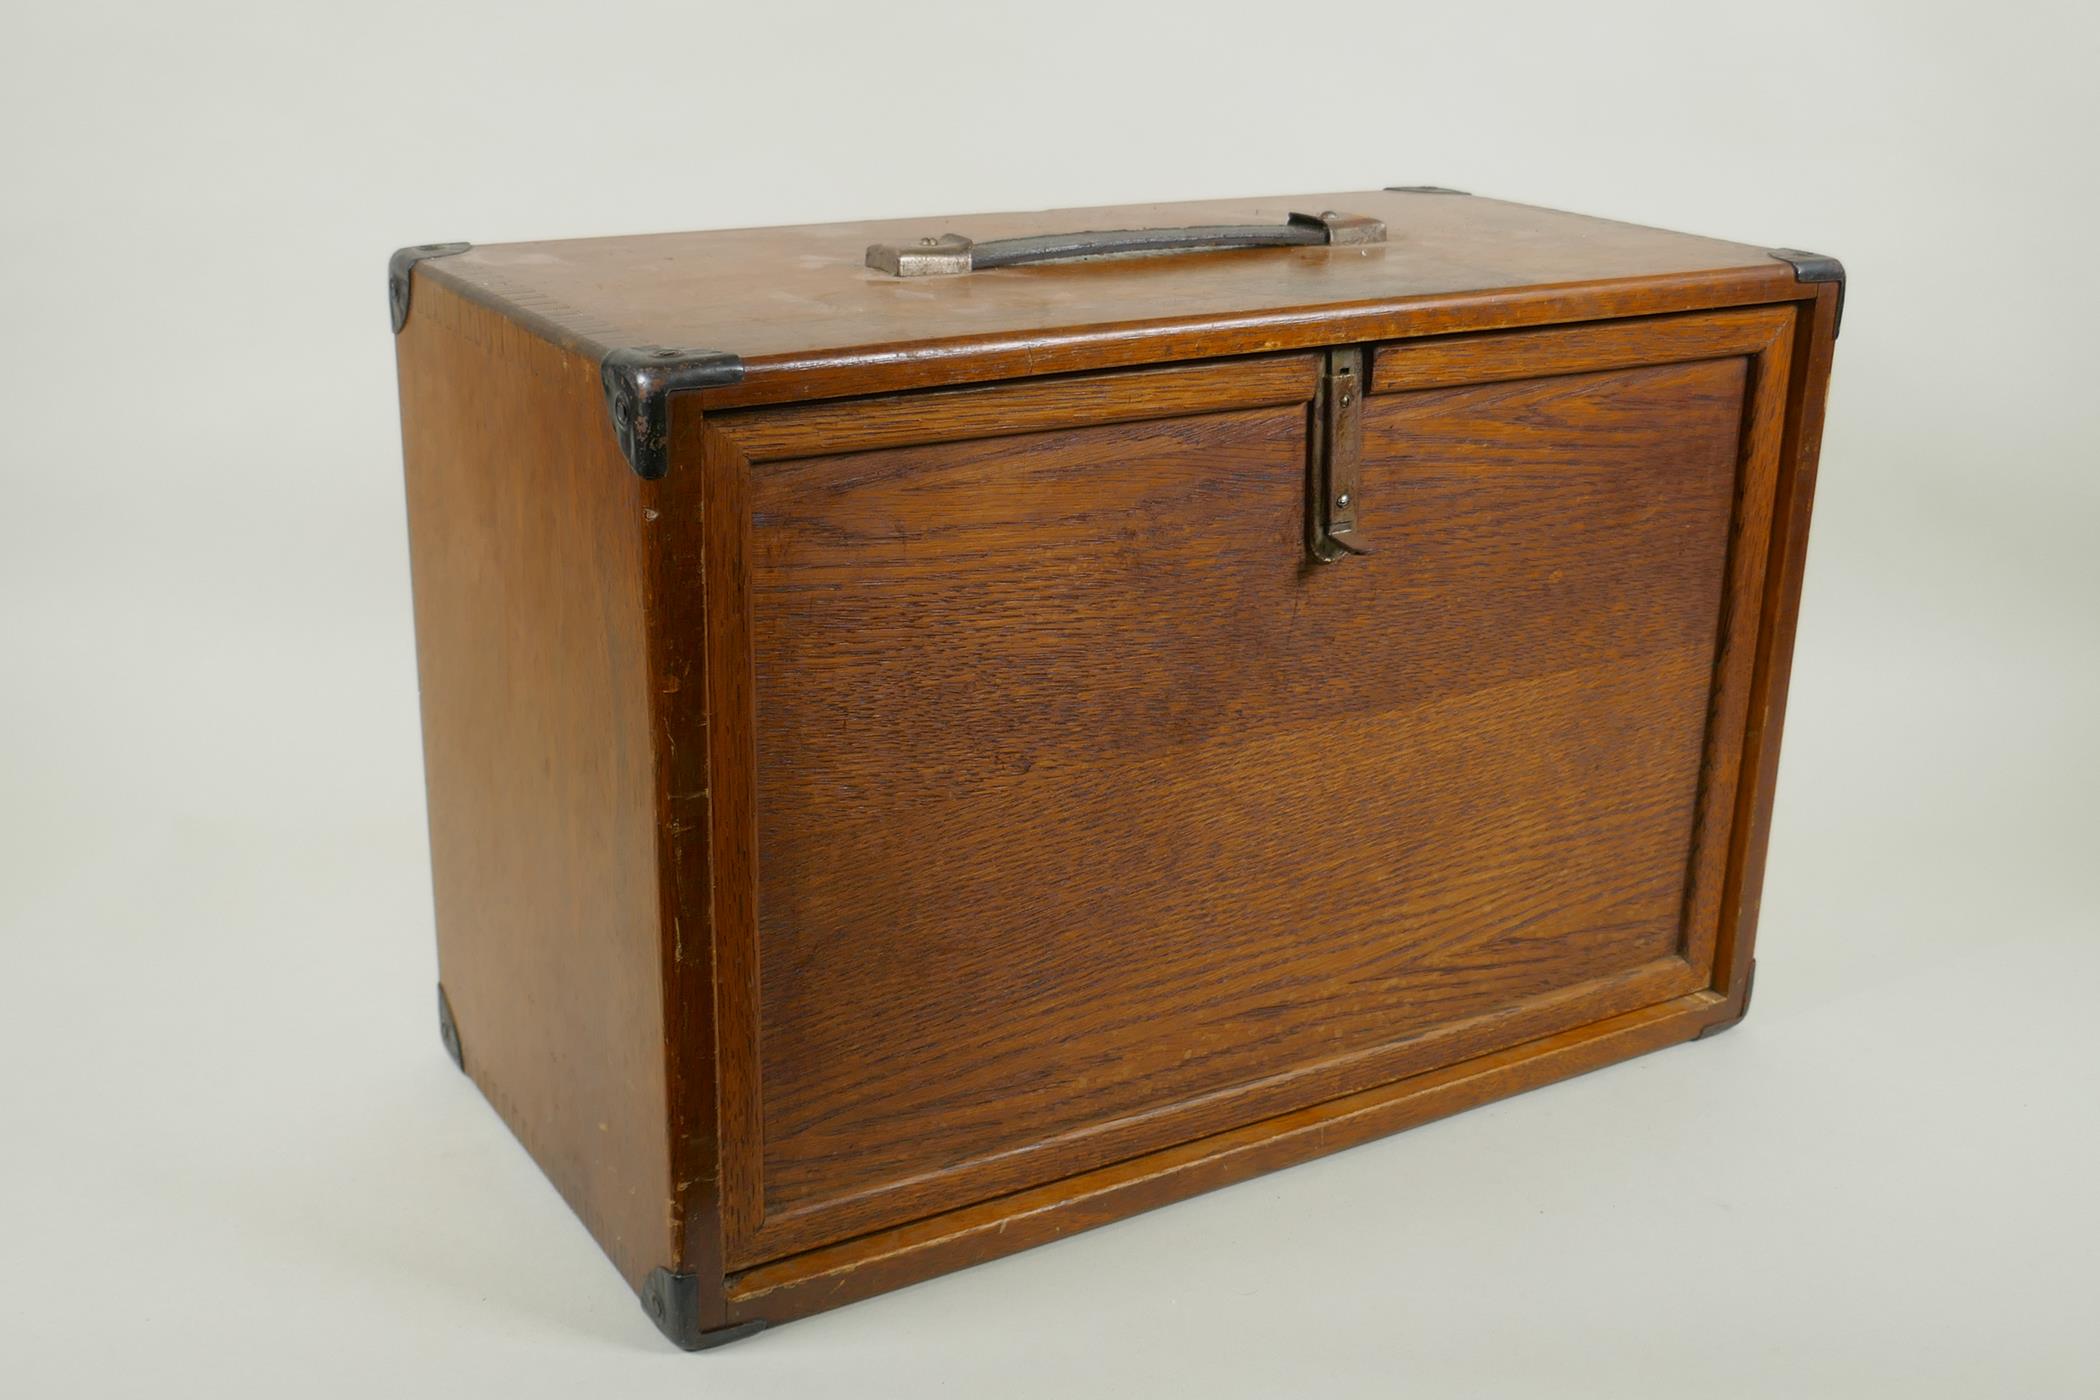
point(768, 315)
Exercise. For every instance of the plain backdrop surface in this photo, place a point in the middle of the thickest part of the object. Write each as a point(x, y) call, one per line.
point(232, 1157)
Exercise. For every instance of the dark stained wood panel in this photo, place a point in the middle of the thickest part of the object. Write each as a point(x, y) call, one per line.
point(1091, 819)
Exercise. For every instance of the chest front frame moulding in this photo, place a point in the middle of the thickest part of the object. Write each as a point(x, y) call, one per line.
point(783, 1289)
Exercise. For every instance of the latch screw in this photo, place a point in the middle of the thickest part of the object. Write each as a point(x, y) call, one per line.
point(1342, 500)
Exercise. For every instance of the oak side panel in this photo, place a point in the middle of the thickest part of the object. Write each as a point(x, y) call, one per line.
point(529, 580)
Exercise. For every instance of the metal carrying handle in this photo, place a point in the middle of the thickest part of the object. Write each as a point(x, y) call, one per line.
point(951, 253)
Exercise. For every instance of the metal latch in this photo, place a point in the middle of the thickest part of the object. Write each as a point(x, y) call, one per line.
point(1335, 469)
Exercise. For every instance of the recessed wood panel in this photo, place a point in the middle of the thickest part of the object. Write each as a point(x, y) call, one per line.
point(1091, 818)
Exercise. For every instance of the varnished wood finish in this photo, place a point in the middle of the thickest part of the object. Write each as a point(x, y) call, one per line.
point(1030, 406)
point(525, 535)
point(1763, 340)
point(889, 369)
point(947, 811)
point(876, 1263)
point(685, 575)
point(1060, 794)
point(1815, 340)
point(1439, 362)
point(809, 321)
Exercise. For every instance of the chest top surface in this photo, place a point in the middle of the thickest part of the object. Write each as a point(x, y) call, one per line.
point(799, 293)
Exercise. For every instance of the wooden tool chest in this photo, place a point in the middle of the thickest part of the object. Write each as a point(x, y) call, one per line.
point(944, 733)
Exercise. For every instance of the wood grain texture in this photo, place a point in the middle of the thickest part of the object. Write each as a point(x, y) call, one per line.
point(1801, 435)
point(827, 1277)
point(528, 563)
point(1053, 744)
point(881, 369)
point(810, 321)
point(945, 812)
point(875, 1263)
point(1437, 362)
point(1030, 406)
point(674, 517)
point(1763, 339)
point(733, 825)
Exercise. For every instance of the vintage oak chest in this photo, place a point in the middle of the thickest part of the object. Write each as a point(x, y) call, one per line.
point(936, 745)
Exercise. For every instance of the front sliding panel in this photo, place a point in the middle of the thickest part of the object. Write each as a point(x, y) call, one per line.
point(1092, 818)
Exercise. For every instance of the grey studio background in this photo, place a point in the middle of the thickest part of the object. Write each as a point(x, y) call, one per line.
point(233, 1159)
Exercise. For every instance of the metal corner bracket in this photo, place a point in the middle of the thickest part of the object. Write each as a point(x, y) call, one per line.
point(1424, 189)
point(673, 1304)
point(638, 384)
point(398, 267)
point(1816, 267)
point(448, 1031)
